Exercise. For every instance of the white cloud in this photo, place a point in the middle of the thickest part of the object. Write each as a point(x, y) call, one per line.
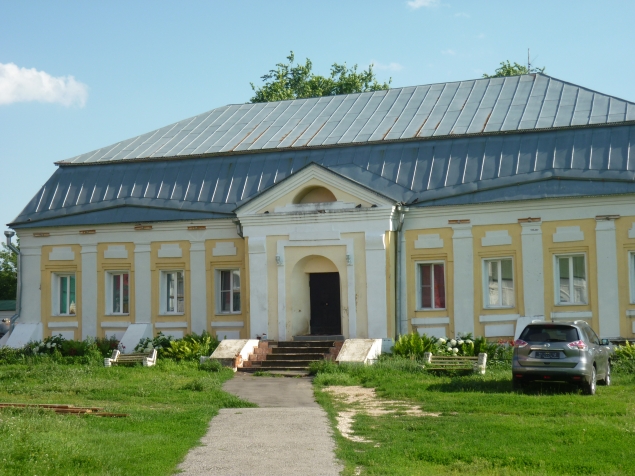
point(448, 52)
point(386, 67)
point(415, 4)
point(24, 84)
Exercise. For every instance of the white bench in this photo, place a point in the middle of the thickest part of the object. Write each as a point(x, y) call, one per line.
point(147, 359)
point(455, 362)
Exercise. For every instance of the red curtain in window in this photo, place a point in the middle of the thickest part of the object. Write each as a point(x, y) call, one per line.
point(439, 286)
point(426, 286)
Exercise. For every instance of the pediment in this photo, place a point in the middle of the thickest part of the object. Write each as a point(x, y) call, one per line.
point(311, 189)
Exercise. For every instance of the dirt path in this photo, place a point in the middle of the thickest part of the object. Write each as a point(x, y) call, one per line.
point(288, 435)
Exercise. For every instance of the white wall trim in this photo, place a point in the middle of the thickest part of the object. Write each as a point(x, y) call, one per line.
point(499, 330)
point(498, 317)
point(62, 325)
point(62, 253)
point(224, 248)
point(463, 250)
point(170, 250)
point(607, 278)
point(171, 325)
point(568, 233)
point(533, 271)
point(228, 324)
point(572, 315)
point(198, 286)
point(313, 233)
point(142, 283)
point(630, 313)
point(89, 291)
point(116, 252)
point(258, 290)
point(496, 238)
point(429, 321)
point(631, 232)
point(428, 241)
point(114, 324)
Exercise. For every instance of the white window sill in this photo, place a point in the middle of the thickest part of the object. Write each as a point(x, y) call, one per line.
point(431, 309)
point(568, 304)
point(171, 314)
point(218, 313)
point(493, 308)
point(117, 314)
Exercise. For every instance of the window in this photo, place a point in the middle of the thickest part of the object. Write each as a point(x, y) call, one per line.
point(498, 282)
point(117, 293)
point(571, 282)
point(228, 290)
point(64, 302)
point(172, 292)
point(431, 279)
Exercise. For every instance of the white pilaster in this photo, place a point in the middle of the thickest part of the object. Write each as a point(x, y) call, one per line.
point(258, 293)
point(31, 302)
point(198, 286)
point(376, 286)
point(403, 286)
point(463, 251)
point(143, 283)
point(89, 291)
point(533, 276)
point(608, 299)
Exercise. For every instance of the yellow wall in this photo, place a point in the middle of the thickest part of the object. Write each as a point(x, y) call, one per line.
point(215, 263)
point(625, 245)
point(490, 252)
point(550, 249)
point(48, 269)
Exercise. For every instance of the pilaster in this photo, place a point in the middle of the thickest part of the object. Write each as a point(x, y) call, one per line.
point(533, 275)
point(89, 291)
point(198, 287)
point(143, 283)
point(608, 298)
point(463, 251)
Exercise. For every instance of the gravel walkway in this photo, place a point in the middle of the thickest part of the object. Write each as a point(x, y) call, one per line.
point(288, 435)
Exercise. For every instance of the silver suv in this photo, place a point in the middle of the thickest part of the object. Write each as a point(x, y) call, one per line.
point(567, 351)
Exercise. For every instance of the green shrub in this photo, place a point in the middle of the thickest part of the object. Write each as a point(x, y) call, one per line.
point(414, 345)
point(106, 345)
point(211, 365)
point(324, 366)
point(191, 347)
point(624, 352)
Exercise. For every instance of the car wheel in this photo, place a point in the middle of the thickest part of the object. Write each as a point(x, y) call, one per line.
point(607, 379)
point(589, 386)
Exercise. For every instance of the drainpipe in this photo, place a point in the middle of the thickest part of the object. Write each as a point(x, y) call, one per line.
point(401, 211)
point(9, 234)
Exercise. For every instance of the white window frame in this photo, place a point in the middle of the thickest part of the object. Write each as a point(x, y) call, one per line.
point(556, 278)
point(485, 273)
point(110, 290)
point(163, 295)
point(631, 272)
point(231, 287)
point(55, 294)
point(418, 284)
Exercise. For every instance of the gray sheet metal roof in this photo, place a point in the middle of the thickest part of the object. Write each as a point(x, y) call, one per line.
point(587, 161)
point(481, 106)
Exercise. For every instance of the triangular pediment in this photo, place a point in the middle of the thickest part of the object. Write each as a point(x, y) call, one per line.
point(286, 195)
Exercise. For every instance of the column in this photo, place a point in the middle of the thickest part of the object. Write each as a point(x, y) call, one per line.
point(31, 293)
point(258, 295)
point(89, 291)
point(142, 283)
point(533, 266)
point(198, 286)
point(376, 286)
point(403, 285)
point(463, 250)
point(608, 298)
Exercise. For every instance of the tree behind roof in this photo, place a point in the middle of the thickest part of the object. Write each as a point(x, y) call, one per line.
point(508, 69)
point(8, 274)
point(289, 81)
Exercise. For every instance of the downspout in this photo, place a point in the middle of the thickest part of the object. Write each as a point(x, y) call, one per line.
point(401, 211)
point(9, 234)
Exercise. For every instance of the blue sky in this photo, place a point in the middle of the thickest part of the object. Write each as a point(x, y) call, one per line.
point(77, 75)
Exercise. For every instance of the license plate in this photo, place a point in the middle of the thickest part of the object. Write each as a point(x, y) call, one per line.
point(547, 355)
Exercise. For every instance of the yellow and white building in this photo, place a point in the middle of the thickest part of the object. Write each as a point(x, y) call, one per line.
point(453, 208)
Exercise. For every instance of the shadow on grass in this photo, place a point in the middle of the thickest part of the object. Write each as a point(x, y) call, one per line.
point(467, 384)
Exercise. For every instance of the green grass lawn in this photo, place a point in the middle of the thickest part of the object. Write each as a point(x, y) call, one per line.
point(170, 407)
point(485, 428)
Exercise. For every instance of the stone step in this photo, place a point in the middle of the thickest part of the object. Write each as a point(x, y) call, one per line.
point(290, 356)
point(286, 364)
point(320, 343)
point(300, 350)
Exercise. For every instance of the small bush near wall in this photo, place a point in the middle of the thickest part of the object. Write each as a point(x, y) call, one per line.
point(60, 350)
point(414, 346)
point(190, 347)
point(623, 359)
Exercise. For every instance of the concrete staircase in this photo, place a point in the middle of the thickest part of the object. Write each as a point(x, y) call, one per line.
point(291, 355)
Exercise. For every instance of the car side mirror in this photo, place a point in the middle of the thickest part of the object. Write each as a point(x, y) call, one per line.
point(604, 342)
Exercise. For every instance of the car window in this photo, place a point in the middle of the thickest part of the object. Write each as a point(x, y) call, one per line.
point(593, 337)
point(549, 333)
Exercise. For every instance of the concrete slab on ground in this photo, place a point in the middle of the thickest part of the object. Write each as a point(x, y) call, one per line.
point(360, 350)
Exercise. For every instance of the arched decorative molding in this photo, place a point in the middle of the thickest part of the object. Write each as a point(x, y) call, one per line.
point(314, 194)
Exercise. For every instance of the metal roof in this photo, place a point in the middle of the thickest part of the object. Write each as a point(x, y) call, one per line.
point(517, 103)
point(586, 161)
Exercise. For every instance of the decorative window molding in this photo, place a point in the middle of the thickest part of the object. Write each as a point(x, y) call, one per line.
point(170, 250)
point(224, 248)
point(498, 283)
point(499, 330)
point(431, 285)
point(432, 240)
point(570, 291)
point(498, 317)
point(171, 325)
point(229, 324)
point(496, 238)
point(116, 252)
point(429, 321)
point(631, 232)
point(62, 253)
point(117, 293)
point(63, 293)
point(572, 315)
point(568, 233)
point(172, 292)
point(228, 298)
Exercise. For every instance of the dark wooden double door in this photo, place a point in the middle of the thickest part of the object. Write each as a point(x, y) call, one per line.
point(326, 318)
